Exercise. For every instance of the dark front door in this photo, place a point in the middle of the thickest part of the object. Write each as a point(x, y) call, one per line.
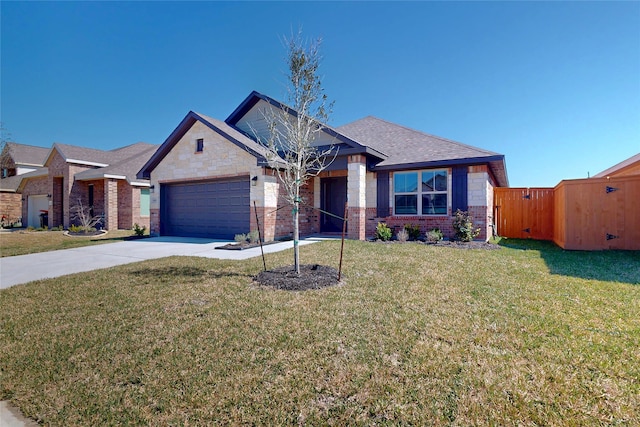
point(333, 194)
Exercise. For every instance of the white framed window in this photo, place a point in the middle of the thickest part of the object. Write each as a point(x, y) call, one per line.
point(422, 192)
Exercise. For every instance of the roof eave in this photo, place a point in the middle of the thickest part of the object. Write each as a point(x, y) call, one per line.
point(254, 97)
point(499, 159)
point(177, 134)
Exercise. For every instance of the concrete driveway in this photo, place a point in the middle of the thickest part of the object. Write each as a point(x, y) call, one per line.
point(20, 269)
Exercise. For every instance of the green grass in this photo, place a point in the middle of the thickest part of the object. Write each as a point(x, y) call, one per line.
point(28, 242)
point(418, 335)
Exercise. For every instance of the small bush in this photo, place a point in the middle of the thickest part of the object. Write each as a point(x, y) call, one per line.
point(31, 228)
point(139, 230)
point(383, 232)
point(403, 235)
point(463, 226)
point(413, 231)
point(434, 235)
point(61, 228)
point(75, 229)
point(253, 236)
point(240, 238)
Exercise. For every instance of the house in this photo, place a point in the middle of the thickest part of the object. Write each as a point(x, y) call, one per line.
point(103, 181)
point(210, 179)
point(16, 160)
point(628, 167)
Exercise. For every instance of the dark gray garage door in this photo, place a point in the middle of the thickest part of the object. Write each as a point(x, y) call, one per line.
point(213, 209)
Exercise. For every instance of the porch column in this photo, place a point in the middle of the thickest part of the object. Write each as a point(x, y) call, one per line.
point(265, 193)
point(111, 204)
point(356, 196)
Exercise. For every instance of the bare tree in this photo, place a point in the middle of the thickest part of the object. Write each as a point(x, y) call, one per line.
point(294, 128)
point(82, 213)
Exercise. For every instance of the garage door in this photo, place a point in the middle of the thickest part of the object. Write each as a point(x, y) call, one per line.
point(35, 206)
point(212, 209)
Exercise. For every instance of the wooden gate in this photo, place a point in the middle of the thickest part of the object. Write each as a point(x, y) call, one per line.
point(524, 212)
point(598, 213)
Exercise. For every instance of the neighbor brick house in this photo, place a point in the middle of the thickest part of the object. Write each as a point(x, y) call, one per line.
point(17, 160)
point(209, 174)
point(104, 181)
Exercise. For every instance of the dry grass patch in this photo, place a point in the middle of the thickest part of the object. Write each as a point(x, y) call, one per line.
point(28, 242)
point(418, 335)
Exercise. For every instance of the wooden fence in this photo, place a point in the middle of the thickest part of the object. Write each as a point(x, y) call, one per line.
point(582, 214)
point(524, 212)
point(598, 213)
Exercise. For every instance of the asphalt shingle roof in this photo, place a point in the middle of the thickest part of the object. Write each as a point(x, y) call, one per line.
point(92, 155)
point(27, 154)
point(404, 146)
point(138, 155)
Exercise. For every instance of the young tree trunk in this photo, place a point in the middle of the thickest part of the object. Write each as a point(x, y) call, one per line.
point(296, 231)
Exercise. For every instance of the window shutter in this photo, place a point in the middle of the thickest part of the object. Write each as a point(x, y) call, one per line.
point(382, 194)
point(459, 188)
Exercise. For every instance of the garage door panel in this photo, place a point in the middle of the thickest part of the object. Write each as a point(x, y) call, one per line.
point(215, 209)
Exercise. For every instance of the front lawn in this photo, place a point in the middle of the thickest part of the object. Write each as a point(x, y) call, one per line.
point(418, 335)
point(21, 242)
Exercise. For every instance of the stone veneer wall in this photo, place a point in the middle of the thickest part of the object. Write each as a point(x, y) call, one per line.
point(276, 217)
point(357, 196)
point(219, 159)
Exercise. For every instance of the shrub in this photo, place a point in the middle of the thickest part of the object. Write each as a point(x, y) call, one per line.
point(31, 228)
point(403, 235)
point(253, 236)
point(61, 228)
point(463, 226)
point(434, 235)
point(413, 231)
point(75, 228)
point(240, 238)
point(383, 232)
point(139, 230)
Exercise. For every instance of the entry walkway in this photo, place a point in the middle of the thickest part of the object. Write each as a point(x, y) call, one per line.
point(20, 269)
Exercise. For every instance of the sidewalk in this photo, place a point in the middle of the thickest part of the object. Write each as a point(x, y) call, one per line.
point(21, 269)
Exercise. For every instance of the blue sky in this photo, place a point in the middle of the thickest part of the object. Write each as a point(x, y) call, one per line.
point(554, 86)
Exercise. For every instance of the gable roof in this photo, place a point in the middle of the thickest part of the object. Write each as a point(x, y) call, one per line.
point(15, 183)
point(408, 148)
point(225, 130)
point(127, 169)
point(95, 157)
point(346, 144)
point(622, 167)
point(28, 155)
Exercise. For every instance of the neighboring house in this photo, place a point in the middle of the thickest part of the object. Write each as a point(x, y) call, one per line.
point(17, 160)
point(630, 166)
point(104, 181)
point(209, 174)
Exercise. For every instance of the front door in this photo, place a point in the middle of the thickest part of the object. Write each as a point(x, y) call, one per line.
point(333, 194)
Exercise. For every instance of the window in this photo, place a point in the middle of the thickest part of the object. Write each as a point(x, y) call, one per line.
point(426, 197)
point(199, 145)
point(144, 202)
point(5, 172)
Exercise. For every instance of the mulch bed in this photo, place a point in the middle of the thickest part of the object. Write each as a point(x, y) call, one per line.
point(83, 234)
point(446, 243)
point(243, 246)
point(312, 276)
